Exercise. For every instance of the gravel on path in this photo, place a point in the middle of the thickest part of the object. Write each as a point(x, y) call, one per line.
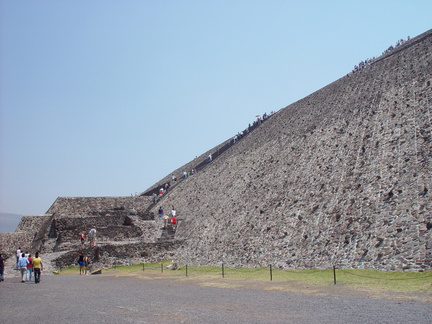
point(122, 299)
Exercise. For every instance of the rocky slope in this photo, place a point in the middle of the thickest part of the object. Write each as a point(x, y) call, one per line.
point(341, 177)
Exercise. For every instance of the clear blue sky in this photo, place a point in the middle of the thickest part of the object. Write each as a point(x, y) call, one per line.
point(104, 98)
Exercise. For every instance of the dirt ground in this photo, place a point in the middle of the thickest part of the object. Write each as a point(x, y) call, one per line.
point(115, 297)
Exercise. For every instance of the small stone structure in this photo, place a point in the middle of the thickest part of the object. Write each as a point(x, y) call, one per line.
point(121, 224)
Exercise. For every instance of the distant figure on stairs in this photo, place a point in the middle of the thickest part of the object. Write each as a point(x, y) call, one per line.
point(92, 236)
point(173, 218)
point(82, 238)
point(165, 221)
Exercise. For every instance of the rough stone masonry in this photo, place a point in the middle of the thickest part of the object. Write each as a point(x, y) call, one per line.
point(340, 178)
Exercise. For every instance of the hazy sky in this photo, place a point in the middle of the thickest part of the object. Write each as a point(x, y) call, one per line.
point(104, 98)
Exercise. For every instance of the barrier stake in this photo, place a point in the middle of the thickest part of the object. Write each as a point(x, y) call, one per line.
point(186, 270)
point(271, 273)
point(334, 275)
point(223, 274)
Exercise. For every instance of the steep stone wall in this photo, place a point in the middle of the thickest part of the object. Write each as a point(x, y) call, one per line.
point(10, 242)
point(24, 235)
point(341, 177)
point(31, 223)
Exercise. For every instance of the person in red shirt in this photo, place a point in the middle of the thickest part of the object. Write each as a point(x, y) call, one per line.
point(82, 238)
point(173, 222)
point(29, 268)
point(173, 219)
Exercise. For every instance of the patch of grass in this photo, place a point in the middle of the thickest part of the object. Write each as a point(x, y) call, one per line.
point(362, 280)
point(69, 270)
point(398, 281)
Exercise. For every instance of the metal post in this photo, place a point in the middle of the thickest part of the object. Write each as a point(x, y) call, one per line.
point(334, 275)
point(223, 274)
point(271, 273)
point(186, 270)
point(143, 266)
point(161, 267)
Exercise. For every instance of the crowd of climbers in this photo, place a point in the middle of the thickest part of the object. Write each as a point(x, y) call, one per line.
point(363, 64)
point(164, 189)
point(398, 43)
point(367, 62)
point(168, 219)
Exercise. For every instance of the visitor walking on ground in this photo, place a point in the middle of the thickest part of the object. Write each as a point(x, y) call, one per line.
point(37, 267)
point(29, 268)
point(86, 264)
point(22, 266)
point(18, 256)
point(2, 265)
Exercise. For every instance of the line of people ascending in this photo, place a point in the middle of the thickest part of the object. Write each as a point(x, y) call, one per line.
point(168, 219)
point(364, 64)
point(186, 174)
point(158, 194)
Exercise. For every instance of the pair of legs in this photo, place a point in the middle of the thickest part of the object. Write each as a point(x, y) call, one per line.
point(29, 274)
point(37, 274)
point(23, 271)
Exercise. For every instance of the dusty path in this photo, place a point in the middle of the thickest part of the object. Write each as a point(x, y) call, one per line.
point(107, 298)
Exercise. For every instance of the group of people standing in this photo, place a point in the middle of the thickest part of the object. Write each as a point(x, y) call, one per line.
point(91, 236)
point(84, 263)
